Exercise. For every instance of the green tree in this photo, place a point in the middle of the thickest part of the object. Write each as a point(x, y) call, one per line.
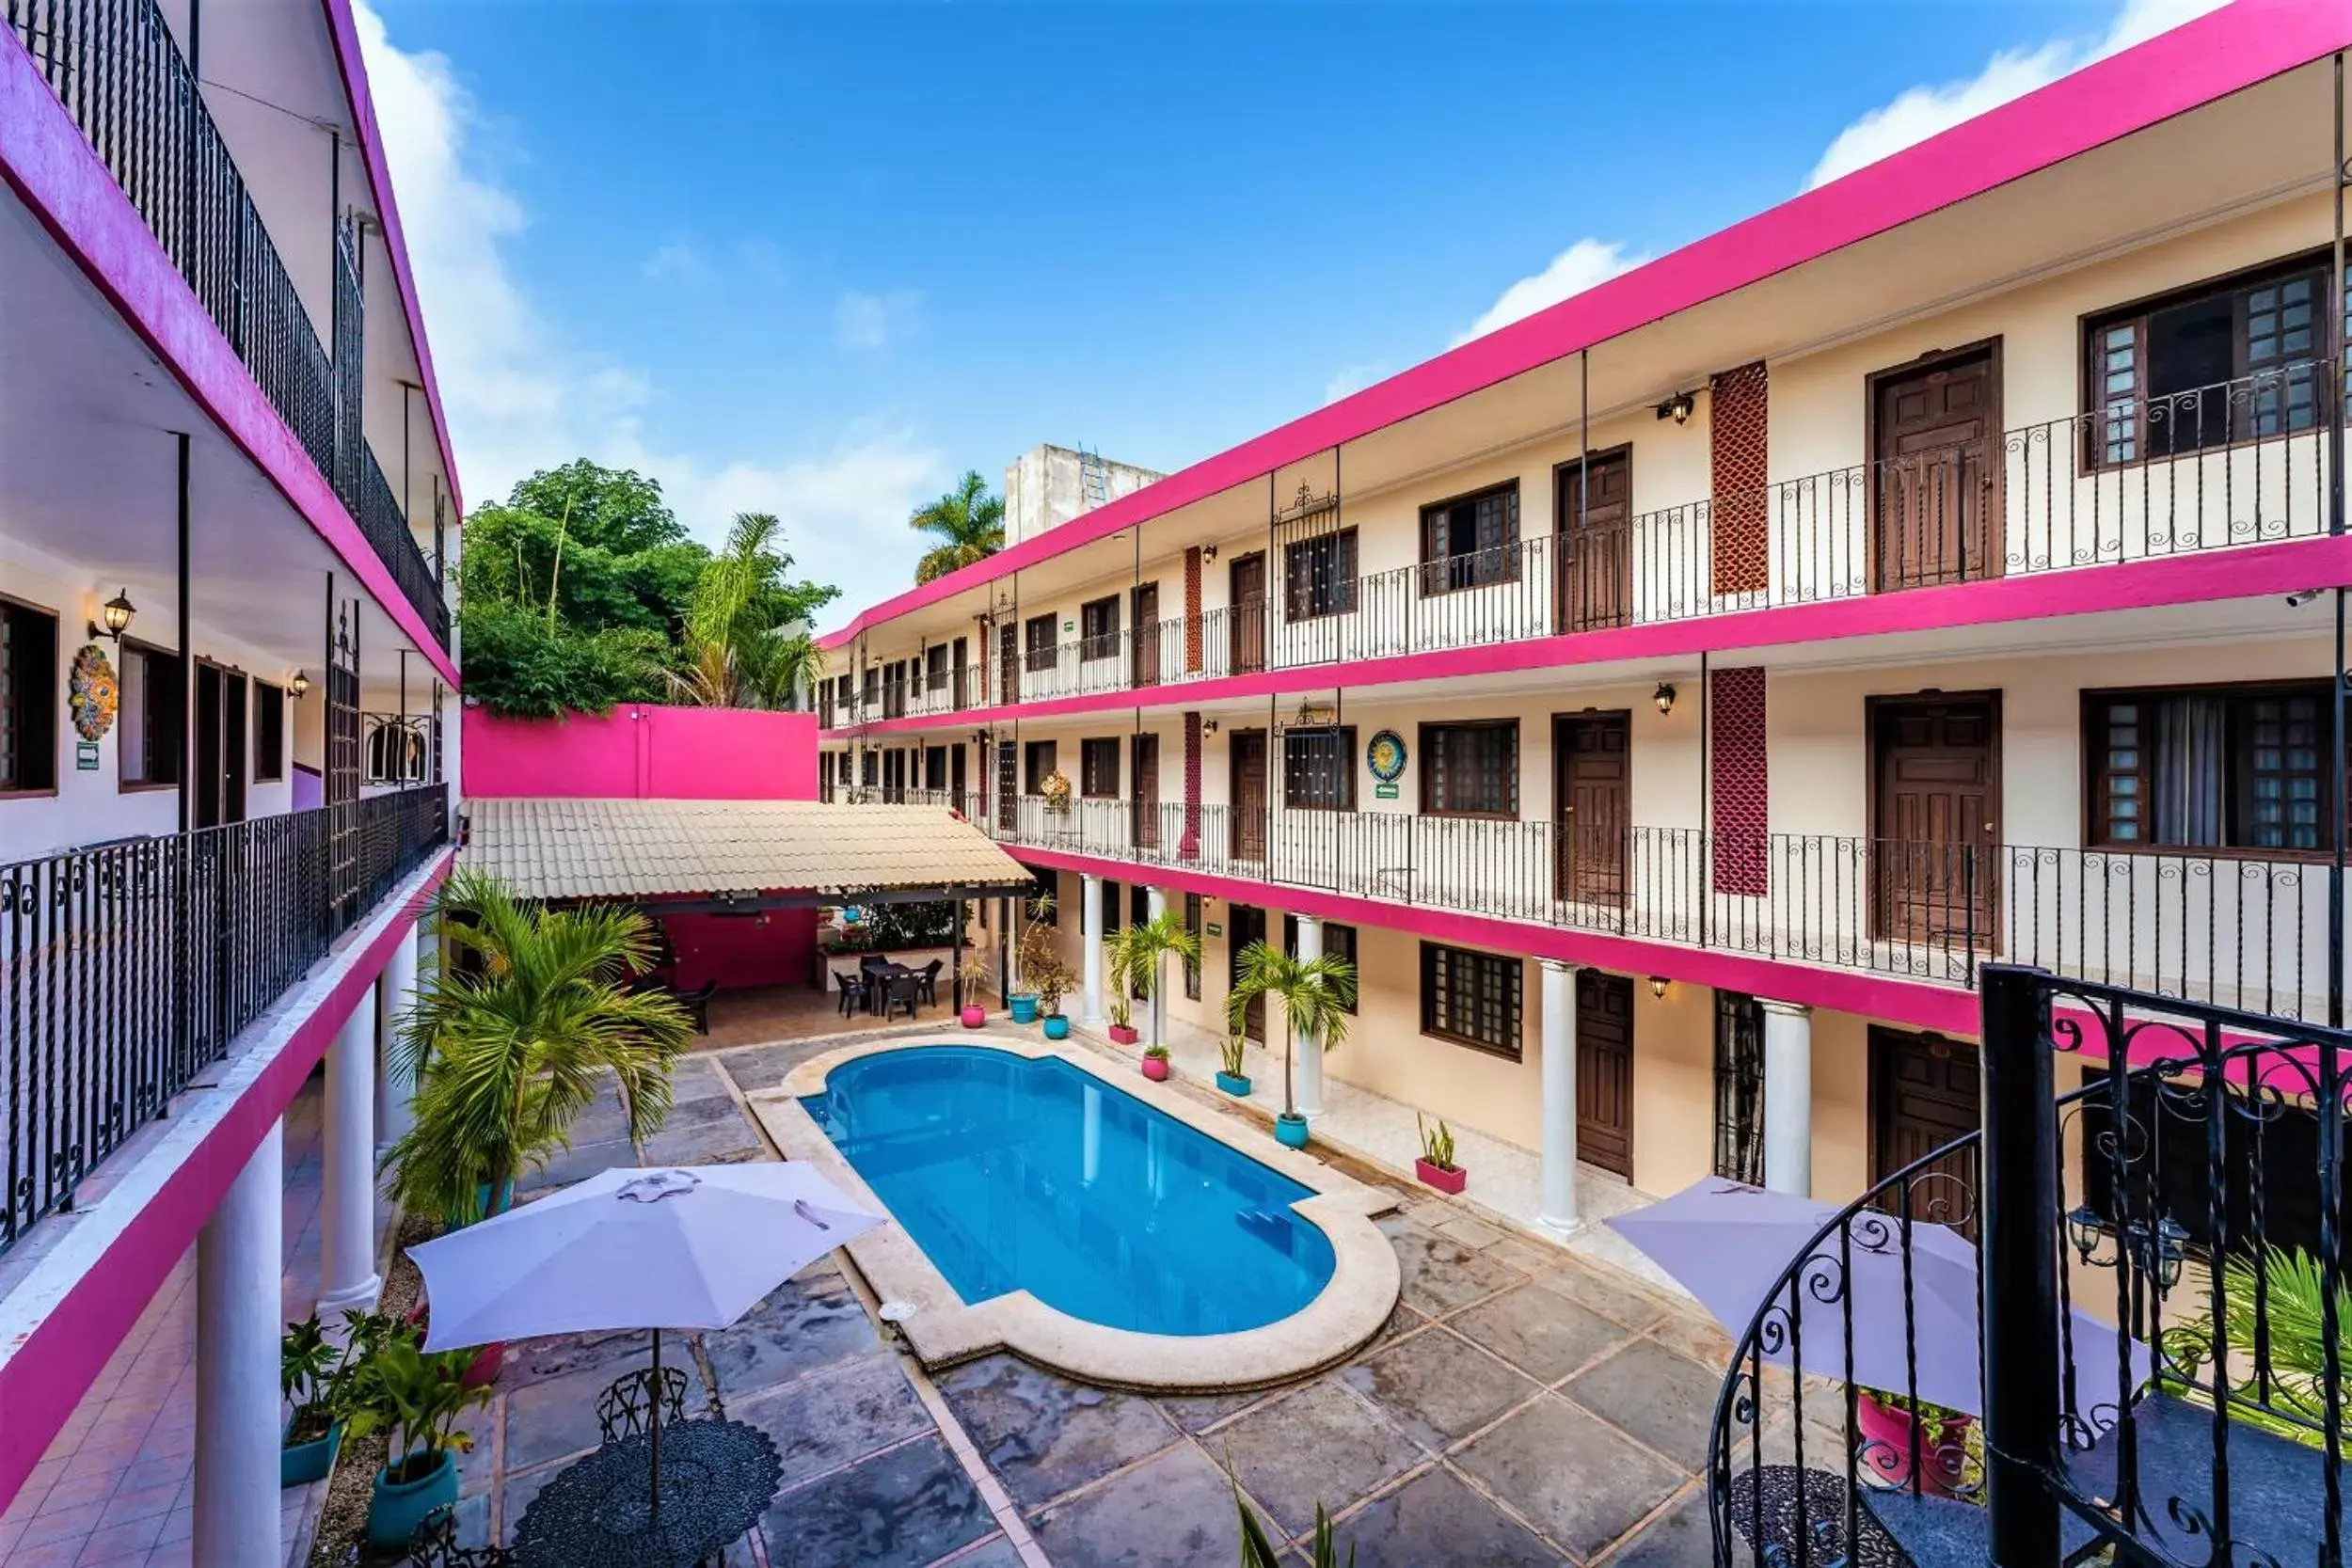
point(1138, 961)
point(1316, 995)
point(968, 522)
point(508, 1044)
point(747, 642)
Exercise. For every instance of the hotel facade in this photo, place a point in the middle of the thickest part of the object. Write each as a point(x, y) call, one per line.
point(227, 502)
point(1670, 700)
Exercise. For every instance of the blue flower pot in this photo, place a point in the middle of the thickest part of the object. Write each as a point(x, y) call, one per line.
point(1058, 1028)
point(300, 1463)
point(481, 1199)
point(1234, 1083)
point(397, 1508)
point(1291, 1132)
point(1025, 1010)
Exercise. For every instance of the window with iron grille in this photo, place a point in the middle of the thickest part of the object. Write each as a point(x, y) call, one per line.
point(1037, 762)
point(1041, 636)
point(152, 722)
point(1319, 768)
point(1470, 541)
point(1739, 1087)
point(2211, 768)
point(871, 770)
point(1191, 924)
point(1098, 627)
point(28, 698)
point(1470, 769)
point(1471, 998)
point(2232, 360)
point(1098, 767)
point(935, 668)
point(1319, 576)
point(1109, 896)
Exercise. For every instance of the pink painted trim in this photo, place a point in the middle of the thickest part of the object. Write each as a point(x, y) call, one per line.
point(50, 165)
point(42, 1382)
point(2244, 572)
point(1894, 1000)
point(2209, 59)
point(354, 73)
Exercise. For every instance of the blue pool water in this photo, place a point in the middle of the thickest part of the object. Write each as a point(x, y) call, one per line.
point(1013, 1174)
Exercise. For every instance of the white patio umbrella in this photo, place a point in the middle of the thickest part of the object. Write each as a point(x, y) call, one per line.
point(627, 1248)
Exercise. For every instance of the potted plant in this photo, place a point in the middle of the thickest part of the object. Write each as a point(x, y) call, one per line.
point(1886, 1421)
point(1054, 787)
point(414, 1397)
point(1230, 1076)
point(1155, 1063)
point(312, 1378)
point(1315, 993)
point(1053, 983)
point(1035, 951)
point(1435, 1166)
point(1138, 954)
point(1122, 1028)
point(974, 971)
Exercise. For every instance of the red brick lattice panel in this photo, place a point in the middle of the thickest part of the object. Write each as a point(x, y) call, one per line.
point(1189, 848)
point(1192, 616)
point(1736, 785)
point(1737, 408)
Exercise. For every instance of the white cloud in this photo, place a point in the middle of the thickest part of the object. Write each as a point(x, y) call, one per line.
point(1917, 113)
point(677, 260)
point(1582, 266)
point(1351, 379)
point(868, 322)
point(521, 398)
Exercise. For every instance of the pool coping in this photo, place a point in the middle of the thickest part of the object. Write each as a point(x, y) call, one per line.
point(945, 1329)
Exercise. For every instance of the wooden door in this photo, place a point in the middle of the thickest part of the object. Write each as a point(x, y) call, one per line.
point(1935, 497)
point(1936, 827)
point(1008, 662)
point(1604, 1071)
point(1591, 781)
point(205, 809)
point(1596, 554)
point(1248, 794)
point(1144, 658)
point(1007, 789)
point(961, 655)
point(934, 768)
point(1246, 631)
point(1144, 768)
point(1244, 925)
point(1924, 1095)
point(234, 746)
point(957, 783)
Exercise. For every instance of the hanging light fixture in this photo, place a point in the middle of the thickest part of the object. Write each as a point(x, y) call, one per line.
point(1658, 983)
point(1678, 409)
point(1664, 697)
point(298, 683)
point(117, 614)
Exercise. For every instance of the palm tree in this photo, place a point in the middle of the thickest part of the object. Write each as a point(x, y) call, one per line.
point(968, 521)
point(737, 655)
point(1136, 961)
point(1316, 995)
point(506, 1051)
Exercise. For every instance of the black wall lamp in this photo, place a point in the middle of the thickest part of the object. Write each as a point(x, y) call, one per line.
point(1663, 697)
point(116, 612)
point(298, 683)
point(1208, 552)
point(1678, 408)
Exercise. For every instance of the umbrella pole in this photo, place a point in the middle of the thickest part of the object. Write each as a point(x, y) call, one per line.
point(655, 1525)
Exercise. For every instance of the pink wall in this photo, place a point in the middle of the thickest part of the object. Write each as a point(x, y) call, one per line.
point(775, 947)
point(643, 753)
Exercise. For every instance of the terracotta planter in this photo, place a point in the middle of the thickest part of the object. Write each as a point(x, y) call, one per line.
point(974, 1018)
point(1124, 1033)
point(1885, 1456)
point(1155, 1069)
point(1439, 1176)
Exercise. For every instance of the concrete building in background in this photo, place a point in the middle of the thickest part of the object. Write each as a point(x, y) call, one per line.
point(1047, 486)
point(1671, 701)
point(226, 505)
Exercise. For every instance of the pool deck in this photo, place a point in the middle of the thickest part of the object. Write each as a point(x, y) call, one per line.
point(1522, 1405)
point(945, 1330)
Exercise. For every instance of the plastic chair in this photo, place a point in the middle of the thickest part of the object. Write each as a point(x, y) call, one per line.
point(929, 980)
point(852, 993)
point(903, 992)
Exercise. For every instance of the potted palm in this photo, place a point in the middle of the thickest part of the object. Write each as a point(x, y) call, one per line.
point(974, 971)
point(1139, 955)
point(1123, 1025)
point(1316, 995)
point(1155, 1063)
point(1230, 1076)
point(414, 1397)
point(1436, 1164)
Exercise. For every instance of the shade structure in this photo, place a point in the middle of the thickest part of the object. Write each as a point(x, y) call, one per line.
point(1861, 1310)
point(663, 1248)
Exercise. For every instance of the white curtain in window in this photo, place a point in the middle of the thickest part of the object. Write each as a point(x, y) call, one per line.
point(2191, 762)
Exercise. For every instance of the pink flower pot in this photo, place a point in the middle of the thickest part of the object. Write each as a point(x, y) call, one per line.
point(1155, 1069)
point(1124, 1034)
point(1885, 1456)
point(974, 1018)
point(1439, 1176)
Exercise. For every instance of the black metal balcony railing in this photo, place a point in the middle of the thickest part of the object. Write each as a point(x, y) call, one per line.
point(386, 523)
point(2159, 1379)
point(127, 968)
point(119, 72)
point(2242, 462)
point(2238, 931)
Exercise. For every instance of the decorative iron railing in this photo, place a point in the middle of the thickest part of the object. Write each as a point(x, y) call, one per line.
point(127, 968)
point(119, 73)
point(385, 522)
point(2234, 931)
point(2158, 1377)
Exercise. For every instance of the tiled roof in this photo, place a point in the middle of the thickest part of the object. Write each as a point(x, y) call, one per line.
point(594, 849)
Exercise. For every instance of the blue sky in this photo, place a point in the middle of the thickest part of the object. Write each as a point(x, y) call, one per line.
point(819, 259)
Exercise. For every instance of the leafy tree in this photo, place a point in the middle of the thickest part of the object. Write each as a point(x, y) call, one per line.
point(519, 665)
point(968, 522)
point(1316, 995)
point(747, 643)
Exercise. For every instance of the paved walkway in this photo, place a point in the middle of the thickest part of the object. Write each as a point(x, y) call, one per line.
point(1524, 1405)
point(116, 1487)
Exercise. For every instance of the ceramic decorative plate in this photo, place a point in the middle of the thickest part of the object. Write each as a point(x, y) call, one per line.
point(1385, 755)
point(93, 693)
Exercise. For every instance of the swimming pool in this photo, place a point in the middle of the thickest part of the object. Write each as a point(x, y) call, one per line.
point(1018, 1174)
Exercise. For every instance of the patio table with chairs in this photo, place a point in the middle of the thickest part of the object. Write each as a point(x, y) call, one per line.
point(882, 985)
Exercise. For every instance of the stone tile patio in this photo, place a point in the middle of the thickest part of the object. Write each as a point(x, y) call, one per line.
point(1525, 1405)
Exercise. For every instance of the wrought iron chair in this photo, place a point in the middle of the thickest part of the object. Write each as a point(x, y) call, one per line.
point(623, 1409)
point(929, 980)
point(434, 1545)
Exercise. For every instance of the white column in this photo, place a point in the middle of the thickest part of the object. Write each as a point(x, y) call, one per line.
point(347, 1206)
point(238, 1319)
point(1558, 1213)
point(1090, 938)
point(395, 990)
point(1788, 1098)
point(1309, 1081)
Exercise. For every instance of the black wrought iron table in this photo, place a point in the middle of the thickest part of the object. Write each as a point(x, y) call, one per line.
point(1802, 1519)
point(717, 1478)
